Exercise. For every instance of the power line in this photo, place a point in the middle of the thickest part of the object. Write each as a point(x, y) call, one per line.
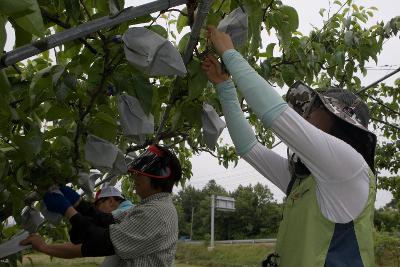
point(246, 173)
point(379, 69)
point(378, 81)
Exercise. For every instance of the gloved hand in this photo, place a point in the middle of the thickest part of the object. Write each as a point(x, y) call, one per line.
point(56, 202)
point(70, 194)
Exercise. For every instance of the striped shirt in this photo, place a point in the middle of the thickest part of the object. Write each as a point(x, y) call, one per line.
point(146, 235)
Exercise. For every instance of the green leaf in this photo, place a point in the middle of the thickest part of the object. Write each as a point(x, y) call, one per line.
point(213, 18)
point(21, 174)
point(95, 72)
point(63, 145)
point(16, 8)
point(255, 20)
point(182, 21)
point(58, 112)
point(4, 83)
point(33, 22)
point(3, 165)
point(3, 32)
point(198, 80)
point(266, 69)
point(360, 17)
point(192, 112)
point(270, 50)
point(101, 7)
point(41, 84)
point(288, 73)
point(142, 19)
point(103, 126)
point(54, 132)
point(159, 30)
point(31, 144)
point(337, 2)
point(348, 38)
point(177, 117)
point(339, 58)
point(73, 9)
point(183, 42)
point(291, 16)
point(22, 37)
point(144, 92)
point(322, 11)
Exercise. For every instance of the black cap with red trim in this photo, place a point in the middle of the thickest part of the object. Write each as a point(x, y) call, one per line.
point(157, 163)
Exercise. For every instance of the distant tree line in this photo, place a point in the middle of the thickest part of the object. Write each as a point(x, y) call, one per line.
point(257, 214)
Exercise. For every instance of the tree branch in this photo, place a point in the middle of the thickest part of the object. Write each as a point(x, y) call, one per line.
point(84, 113)
point(177, 10)
point(220, 6)
point(86, 10)
point(380, 102)
point(102, 37)
point(285, 62)
point(65, 25)
point(266, 9)
point(386, 123)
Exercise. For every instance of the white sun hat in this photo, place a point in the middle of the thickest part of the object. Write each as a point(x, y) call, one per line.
point(109, 191)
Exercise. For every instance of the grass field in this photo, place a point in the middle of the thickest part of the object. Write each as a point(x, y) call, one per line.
point(41, 260)
point(188, 255)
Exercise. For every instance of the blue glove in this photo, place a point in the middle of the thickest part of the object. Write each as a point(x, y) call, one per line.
point(56, 202)
point(70, 194)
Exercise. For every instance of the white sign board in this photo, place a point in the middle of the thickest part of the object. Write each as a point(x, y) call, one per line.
point(225, 203)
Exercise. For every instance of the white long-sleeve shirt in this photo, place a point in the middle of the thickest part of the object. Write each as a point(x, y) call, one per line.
point(341, 173)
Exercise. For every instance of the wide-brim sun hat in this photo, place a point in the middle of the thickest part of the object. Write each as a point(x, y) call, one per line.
point(343, 104)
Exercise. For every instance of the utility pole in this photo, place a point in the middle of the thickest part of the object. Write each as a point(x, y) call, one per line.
point(212, 221)
point(191, 225)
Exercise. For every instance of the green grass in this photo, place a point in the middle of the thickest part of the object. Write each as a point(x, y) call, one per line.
point(41, 260)
point(188, 255)
point(244, 255)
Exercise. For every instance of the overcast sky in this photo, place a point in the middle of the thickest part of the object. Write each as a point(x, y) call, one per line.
point(205, 167)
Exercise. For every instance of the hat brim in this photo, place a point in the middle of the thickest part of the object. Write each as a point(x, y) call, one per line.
point(152, 176)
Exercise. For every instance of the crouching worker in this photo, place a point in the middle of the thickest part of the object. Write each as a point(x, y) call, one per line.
point(110, 200)
point(145, 235)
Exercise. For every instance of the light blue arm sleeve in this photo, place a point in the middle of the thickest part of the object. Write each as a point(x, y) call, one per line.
point(266, 103)
point(240, 130)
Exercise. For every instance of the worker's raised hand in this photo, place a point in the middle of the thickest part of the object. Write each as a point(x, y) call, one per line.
point(56, 202)
point(220, 40)
point(35, 240)
point(70, 194)
point(213, 70)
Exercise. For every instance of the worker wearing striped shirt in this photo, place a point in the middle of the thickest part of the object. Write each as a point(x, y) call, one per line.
point(144, 235)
